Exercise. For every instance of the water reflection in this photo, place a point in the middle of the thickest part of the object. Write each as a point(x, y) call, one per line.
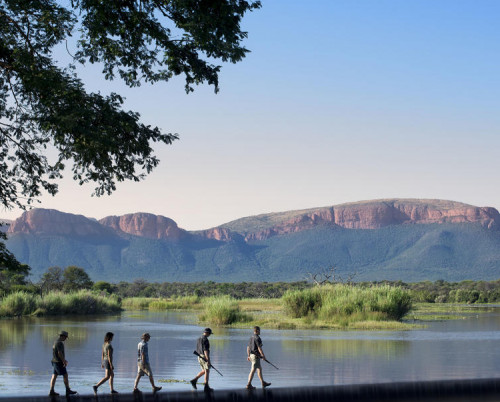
point(14, 331)
point(445, 350)
point(326, 348)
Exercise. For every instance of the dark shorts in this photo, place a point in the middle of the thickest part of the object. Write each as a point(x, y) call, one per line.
point(106, 364)
point(59, 369)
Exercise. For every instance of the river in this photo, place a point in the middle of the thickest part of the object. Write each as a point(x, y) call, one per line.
point(450, 349)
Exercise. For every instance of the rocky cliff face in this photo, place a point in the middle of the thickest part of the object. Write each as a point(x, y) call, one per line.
point(219, 234)
point(52, 222)
point(145, 225)
point(360, 215)
point(377, 214)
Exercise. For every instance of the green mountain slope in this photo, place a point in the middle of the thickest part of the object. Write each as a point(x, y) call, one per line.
point(451, 252)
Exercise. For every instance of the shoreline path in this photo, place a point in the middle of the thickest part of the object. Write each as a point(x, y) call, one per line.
point(484, 390)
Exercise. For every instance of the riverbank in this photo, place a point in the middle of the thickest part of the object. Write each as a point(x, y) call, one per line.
point(83, 302)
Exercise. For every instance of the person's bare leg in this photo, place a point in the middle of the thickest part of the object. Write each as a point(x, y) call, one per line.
point(66, 381)
point(250, 376)
point(259, 373)
point(106, 377)
point(136, 383)
point(111, 377)
point(53, 382)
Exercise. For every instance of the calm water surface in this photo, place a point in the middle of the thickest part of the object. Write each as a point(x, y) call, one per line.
point(444, 350)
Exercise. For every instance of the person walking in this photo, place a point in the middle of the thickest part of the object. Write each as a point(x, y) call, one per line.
point(143, 367)
point(59, 364)
point(203, 350)
point(254, 355)
point(107, 363)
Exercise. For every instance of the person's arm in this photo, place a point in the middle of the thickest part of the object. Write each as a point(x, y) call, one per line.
point(261, 352)
point(248, 353)
point(102, 358)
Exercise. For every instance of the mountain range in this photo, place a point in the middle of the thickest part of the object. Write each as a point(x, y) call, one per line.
point(393, 239)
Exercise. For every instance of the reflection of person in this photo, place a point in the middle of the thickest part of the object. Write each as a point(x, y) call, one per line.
point(143, 367)
point(59, 364)
point(203, 349)
point(254, 355)
point(107, 363)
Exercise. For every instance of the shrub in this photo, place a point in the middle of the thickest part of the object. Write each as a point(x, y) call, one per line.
point(17, 304)
point(340, 301)
point(300, 303)
point(223, 310)
point(53, 303)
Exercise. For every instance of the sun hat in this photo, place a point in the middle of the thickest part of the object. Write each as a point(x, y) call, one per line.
point(208, 331)
point(63, 333)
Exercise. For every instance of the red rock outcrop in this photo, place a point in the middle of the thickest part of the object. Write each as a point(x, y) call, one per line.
point(218, 233)
point(53, 222)
point(377, 214)
point(145, 225)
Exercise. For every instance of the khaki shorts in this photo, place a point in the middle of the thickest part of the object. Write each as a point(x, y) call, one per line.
point(255, 361)
point(203, 364)
point(144, 369)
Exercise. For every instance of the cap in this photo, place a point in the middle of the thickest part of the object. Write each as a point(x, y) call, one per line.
point(145, 335)
point(63, 333)
point(208, 330)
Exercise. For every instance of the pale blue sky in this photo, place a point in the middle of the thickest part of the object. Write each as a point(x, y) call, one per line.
point(339, 101)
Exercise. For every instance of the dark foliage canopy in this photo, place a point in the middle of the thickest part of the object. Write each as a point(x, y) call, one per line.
point(44, 105)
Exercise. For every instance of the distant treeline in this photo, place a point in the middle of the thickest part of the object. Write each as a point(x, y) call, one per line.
point(241, 290)
point(73, 278)
point(431, 292)
point(453, 292)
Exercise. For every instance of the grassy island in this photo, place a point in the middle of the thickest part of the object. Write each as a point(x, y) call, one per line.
point(58, 303)
point(336, 306)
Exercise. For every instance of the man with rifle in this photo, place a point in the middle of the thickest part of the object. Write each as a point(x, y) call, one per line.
point(254, 355)
point(203, 353)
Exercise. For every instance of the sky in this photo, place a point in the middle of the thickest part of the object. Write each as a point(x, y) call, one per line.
point(338, 101)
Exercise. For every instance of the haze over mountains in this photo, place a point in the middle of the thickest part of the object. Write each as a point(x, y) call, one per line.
point(396, 239)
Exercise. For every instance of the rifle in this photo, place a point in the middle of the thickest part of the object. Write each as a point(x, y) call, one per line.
point(271, 364)
point(203, 357)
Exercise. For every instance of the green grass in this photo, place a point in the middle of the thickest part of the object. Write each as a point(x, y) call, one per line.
point(444, 311)
point(136, 303)
point(223, 310)
point(161, 304)
point(57, 303)
point(342, 304)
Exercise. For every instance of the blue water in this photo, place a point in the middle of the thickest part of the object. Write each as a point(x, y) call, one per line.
point(465, 348)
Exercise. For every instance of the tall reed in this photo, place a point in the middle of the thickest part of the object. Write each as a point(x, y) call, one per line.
point(17, 304)
point(223, 310)
point(55, 303)
point(340, 301)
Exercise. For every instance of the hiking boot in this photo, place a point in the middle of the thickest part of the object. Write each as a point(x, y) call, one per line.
point(70, 392)
point(156, 389)
point(207, 388)
point(265, 384)
point(136, 390)
point(114, 392)
point(94, 387)
point(250, 386)
point(53, 393)
point(193, 383)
